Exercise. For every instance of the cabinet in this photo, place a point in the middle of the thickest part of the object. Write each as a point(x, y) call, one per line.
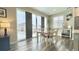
point(4, 43)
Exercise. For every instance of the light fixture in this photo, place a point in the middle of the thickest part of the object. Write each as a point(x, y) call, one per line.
point(68, 16)
point(5, 25)
point(69, 26)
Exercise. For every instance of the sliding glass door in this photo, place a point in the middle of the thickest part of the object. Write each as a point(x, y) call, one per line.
point(34, 26)
point(38, 23)
point(45, 24)
point(21, 25)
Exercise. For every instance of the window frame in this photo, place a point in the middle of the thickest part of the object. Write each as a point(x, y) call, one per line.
point(58, 16)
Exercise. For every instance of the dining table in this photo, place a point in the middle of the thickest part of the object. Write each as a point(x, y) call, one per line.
point(44, 34)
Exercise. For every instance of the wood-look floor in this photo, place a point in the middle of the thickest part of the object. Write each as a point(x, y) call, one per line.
point(44, 44)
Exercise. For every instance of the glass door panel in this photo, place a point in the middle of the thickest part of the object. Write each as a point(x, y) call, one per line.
point(38, 23)
point(34, 34)
point(21, 33)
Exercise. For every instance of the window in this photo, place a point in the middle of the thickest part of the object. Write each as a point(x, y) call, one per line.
point(34, 25)
point(58, 22)
point(45, 25)
point(39, 23)
point(21, 33)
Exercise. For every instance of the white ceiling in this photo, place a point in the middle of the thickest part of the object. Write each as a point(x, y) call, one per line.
point(50, 10)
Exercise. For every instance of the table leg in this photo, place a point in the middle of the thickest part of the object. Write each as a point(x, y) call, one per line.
point(37, 37)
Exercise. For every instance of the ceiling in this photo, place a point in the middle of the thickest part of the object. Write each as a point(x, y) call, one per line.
point(50, 10)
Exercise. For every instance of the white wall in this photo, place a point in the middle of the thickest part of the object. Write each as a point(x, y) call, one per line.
point(76, 37)
point(11, 18)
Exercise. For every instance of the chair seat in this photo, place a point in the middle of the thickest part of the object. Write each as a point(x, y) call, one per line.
point(47, 35)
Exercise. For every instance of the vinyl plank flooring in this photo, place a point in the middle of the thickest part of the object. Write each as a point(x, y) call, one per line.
point(44, 44)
